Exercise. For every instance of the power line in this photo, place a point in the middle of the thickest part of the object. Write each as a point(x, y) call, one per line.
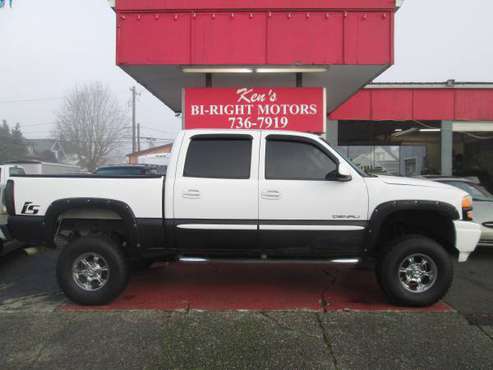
point(26, 100)
point(37, 124)
point(29, 100)
point(123, 140)
point(153, 138)
point(158, 130)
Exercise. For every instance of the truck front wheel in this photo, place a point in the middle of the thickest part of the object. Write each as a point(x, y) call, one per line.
point(415, 271)
point(92, 270)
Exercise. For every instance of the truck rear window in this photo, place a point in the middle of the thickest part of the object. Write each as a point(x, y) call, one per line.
point(121, 171)
point(219, 158)
point(16, 171)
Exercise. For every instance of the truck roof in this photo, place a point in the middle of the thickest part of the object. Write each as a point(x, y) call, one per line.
point(248, 131)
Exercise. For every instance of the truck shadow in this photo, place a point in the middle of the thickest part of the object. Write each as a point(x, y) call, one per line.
point(28, 282)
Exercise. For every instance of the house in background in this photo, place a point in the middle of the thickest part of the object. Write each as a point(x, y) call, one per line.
point(50, 150)
point(156, 155)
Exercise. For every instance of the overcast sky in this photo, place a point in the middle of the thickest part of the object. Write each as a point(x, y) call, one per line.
point(47, 47)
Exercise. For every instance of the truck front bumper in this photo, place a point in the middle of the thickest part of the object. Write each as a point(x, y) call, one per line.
point(467, 235)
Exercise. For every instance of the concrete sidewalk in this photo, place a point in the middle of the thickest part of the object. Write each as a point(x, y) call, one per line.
point(242, 340)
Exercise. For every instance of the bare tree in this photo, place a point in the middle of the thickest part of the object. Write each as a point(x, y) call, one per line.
point(92, 123)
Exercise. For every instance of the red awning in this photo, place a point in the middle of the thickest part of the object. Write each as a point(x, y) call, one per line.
point(471, 102)
point(342, 43)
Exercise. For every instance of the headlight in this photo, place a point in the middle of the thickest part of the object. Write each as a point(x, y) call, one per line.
point(467, 208)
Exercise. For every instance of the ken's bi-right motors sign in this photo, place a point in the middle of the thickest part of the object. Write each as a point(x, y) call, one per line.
point(298, 109)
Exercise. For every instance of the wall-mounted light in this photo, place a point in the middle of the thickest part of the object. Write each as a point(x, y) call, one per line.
point(216, 70)
point(291, 70)
point(252, 70)
point(400, 132)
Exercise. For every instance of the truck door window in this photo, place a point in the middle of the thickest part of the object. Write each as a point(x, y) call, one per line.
point(296, 160)
point(219, 158)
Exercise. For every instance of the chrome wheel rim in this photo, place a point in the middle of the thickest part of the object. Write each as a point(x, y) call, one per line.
point(90, 271)
point(417, 273)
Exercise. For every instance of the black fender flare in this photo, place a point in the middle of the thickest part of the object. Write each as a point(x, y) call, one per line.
point(62, 205)
point(383, 211)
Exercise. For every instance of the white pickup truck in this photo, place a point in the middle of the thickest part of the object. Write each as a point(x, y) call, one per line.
point(265, 195)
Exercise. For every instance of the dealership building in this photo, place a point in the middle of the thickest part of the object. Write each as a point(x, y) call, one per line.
point(173, 47)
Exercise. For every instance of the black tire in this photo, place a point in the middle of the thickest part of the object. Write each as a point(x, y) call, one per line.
point(398, 252)
point(115, 280)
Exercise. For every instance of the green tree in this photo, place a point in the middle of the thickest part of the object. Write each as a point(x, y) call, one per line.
point(12, 143)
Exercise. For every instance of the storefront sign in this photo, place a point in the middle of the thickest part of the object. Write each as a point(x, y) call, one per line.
point(298, 109)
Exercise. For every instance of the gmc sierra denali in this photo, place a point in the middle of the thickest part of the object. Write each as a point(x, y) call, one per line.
point(266, 195)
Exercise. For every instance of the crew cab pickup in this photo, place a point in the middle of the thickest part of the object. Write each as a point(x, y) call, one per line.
point(265, 195)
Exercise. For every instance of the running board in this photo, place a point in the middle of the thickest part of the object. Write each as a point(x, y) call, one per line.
point(265, 260)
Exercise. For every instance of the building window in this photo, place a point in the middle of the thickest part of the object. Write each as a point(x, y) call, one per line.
point(222, 158)
point(473, 152)
point(392, 148)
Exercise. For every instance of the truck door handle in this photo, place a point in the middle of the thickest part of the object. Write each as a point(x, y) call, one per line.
point(270, 195)
point(191, 194)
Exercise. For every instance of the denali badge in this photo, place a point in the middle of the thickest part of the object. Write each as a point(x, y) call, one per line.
point(30, 209)
point(346, 217)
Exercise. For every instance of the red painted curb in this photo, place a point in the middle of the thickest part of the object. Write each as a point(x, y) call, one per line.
point(255, 287)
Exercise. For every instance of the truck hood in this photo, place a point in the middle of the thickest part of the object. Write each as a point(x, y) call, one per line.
point(394, 180)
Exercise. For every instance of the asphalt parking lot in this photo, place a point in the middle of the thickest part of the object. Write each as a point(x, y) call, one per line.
point(245, 317)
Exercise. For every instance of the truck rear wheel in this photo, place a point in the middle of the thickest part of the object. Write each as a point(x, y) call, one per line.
point(92, 270)
point(415, 271)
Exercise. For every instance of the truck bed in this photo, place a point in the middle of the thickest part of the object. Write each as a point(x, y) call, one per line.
point(143, 194)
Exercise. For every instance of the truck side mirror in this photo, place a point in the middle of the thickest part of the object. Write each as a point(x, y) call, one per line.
point(343, 173)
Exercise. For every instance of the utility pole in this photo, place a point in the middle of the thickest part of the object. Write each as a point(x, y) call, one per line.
point(138, 137)
point(134, 118)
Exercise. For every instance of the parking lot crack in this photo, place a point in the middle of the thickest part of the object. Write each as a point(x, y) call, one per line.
point(277, 322)
point(37, 356)
point(485, 332)
point(283, 326)
point(324, 303)
point(327, 341)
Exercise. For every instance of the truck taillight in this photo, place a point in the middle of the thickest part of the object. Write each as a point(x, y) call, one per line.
point(9, 198)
